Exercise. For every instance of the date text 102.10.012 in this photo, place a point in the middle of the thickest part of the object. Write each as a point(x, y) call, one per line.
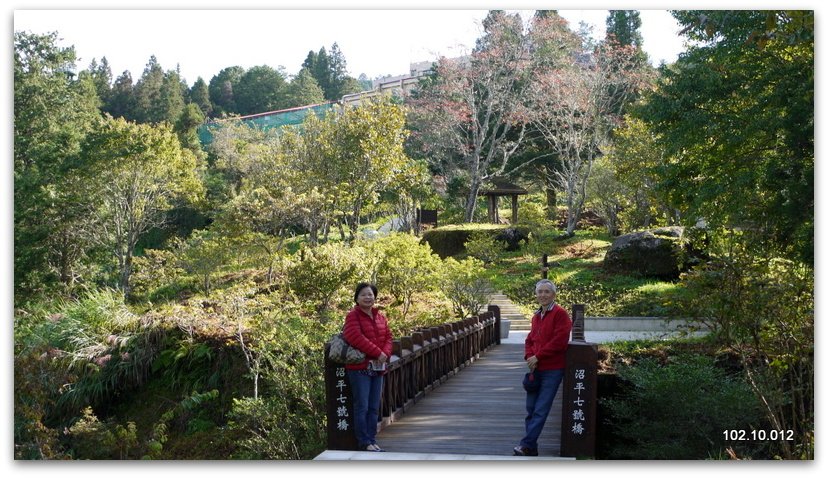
point(758, 435)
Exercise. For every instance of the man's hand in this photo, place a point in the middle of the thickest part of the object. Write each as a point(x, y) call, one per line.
point(532, 362)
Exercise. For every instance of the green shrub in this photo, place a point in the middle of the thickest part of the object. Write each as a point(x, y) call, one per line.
point(320, 272)
point(484, 246)
point(763, 307)
point(104, 346)
point(202, 254)
point(287, 420)
point(532, 215)
point(92, 439)
point(404, 268)
point(464, 284)
point(450, 240)
point(156, 269)
point(678, 411)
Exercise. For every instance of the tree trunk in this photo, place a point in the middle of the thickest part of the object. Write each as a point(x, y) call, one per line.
point(551, 194)
point(126, 272)
point(551, 202)
point(341, 230)
point(471, 203)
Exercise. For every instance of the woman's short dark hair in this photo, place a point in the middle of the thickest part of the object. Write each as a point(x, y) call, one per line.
point(361, 286)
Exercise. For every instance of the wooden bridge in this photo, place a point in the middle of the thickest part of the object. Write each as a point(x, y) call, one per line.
point(455, 391)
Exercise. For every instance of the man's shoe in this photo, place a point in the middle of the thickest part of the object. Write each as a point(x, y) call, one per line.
point(373, 447)
point(521, 450)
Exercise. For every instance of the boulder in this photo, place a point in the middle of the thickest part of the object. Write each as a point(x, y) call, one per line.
point(512, 237)
point(660, 253)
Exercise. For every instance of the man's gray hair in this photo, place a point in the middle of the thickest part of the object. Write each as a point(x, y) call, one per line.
point(546, 282)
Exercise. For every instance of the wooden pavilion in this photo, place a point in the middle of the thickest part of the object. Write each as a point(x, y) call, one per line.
point(494, 191)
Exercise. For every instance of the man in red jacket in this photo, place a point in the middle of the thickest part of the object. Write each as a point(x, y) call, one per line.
point(545, 355)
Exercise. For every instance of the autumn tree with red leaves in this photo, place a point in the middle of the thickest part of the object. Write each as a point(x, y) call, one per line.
point(474, 115)
point(579, 103)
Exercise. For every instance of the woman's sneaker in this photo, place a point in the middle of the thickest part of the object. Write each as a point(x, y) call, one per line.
point(373, 447)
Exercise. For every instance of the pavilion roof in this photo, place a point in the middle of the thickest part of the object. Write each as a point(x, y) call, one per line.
point(499, 187)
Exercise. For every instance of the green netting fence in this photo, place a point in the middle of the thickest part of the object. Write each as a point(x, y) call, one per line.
point(271, 119)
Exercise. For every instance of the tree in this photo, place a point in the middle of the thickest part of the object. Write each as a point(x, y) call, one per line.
point(476, 110)
point(172, 97)
point(624, 26)
point(309, 155)
point(200, 95)
point(321, 70)
point(404, 268)
point(122, 101)
point(365, 83)
point(579, 105)
point(735, 115)
point(349, 85)
point(369, 153)
point(341, 83)
point(260, 219)
point(202, 254)
point(304, 90)
point(338, 72)
point(557, 46)
point(635, 159)
point(52, 114)
point(186, 127)
point(133, 171)
point(149, 106)
point(465, 285)
point(260, 89)
point(607, 194)
point(222, 88)
point(101, 75)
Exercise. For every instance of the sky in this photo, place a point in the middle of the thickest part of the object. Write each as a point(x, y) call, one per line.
point(248, 39)
point(374, 42)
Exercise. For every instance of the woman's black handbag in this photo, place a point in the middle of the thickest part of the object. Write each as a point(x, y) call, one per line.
point(342, 352)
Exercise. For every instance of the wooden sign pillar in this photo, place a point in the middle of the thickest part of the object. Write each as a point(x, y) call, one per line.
point(339, 404)
point(580, 392)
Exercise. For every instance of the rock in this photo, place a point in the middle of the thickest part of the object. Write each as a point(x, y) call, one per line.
point(512, 237)
point(659, 253)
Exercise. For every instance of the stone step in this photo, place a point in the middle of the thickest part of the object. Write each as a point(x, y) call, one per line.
point(509, 311)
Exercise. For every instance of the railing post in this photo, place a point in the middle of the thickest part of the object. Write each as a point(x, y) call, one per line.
point(496, 311)
point(580, 392)
point(339, 404)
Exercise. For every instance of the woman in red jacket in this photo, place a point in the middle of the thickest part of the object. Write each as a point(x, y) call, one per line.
point(545, 355)
point(367, 330)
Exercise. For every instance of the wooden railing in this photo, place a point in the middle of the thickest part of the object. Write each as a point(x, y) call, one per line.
point(419, 363)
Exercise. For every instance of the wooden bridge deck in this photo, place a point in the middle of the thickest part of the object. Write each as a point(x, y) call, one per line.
point(479, 411)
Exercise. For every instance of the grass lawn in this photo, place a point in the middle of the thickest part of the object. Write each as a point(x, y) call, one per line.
point(576, 267)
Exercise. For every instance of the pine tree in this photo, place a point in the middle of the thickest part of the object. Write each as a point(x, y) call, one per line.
point(304, 90)
point(624, 26)
point(149, 105)
point(260, 89)
point(172, 99)
point(322, 72)
point(121, 103)
point(200, 95)
point(101, 75)
point(222, 87)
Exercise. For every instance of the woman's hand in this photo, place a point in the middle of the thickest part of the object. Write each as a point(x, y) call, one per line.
point(382, 358)
point(532, 362)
